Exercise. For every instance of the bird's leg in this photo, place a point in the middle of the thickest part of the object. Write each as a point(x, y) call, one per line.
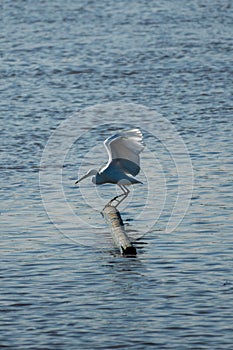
point(115, 198)
point(120, 195)
point(123, 195)
point(125, 189)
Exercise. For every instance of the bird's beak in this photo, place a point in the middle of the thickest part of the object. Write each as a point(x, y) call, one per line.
point(82, 178)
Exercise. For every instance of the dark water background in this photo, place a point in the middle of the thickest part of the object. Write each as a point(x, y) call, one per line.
point(61, 56)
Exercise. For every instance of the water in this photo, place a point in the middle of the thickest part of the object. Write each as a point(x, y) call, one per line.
point(57, 60)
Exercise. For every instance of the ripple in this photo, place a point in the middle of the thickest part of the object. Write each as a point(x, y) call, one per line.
point(63, 57)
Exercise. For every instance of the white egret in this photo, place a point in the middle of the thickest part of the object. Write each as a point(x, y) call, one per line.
point(123, 163)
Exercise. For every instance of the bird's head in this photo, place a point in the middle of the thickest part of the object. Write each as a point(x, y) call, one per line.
point(91, 172)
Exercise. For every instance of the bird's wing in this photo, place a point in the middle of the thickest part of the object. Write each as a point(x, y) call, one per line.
point(124, 148)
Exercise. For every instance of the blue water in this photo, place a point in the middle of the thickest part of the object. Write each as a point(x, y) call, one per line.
point(104, 66)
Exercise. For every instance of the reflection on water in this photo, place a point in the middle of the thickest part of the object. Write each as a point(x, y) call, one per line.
point(174, 58)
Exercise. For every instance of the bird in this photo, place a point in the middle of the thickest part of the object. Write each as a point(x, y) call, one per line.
point(123, 163)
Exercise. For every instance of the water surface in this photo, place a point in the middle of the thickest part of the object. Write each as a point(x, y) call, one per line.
point(174, 58)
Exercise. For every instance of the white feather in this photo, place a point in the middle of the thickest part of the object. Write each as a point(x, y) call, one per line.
point(125, 145)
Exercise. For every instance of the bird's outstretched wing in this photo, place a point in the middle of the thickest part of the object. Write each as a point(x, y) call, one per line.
point(124, 149)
